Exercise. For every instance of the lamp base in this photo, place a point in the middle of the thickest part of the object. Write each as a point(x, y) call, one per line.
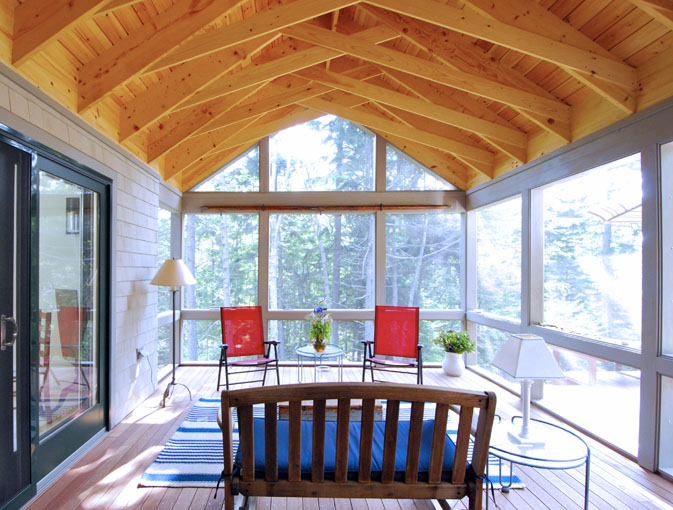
point(167, 393)
point(529, 442)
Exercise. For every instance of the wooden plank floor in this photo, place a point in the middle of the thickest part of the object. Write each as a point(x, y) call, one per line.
point(107, 477)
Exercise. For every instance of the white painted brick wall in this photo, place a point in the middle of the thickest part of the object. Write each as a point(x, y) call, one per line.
point(135, 258)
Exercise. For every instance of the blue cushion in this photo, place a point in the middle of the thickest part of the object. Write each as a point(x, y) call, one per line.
point(353, 452)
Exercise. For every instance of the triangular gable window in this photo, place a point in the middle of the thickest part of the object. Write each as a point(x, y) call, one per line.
point(406, 174)
point(242, 174)
point(326, 154)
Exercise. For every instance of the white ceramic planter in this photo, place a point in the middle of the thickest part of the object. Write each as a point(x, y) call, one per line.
point(453, 364)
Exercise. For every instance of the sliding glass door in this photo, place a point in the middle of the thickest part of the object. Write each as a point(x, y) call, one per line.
point(69, 304)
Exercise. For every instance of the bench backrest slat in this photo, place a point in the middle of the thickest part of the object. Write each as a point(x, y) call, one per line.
point(270, 442)
point(390, 441)
point(414, 442)
point(294, 442)
point(366, 441)
point(343, 433)
point(462, 443)
point(438, 442)
point(247, 443)
point(318, 464)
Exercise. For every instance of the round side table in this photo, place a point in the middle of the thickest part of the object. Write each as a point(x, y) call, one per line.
point(557, 448)
point(308, 353)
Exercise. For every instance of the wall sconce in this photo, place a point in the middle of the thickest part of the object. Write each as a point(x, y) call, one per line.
point(72, 215)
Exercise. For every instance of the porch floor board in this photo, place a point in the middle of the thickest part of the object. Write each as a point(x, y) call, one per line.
point(107, 477)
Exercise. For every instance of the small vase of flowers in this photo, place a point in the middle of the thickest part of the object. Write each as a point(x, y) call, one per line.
point(454, 343)
point(320, 327)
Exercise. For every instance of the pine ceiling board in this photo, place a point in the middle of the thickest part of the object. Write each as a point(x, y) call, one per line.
point(77, 45)
point(564, 8)
point(585, 12)
point(606, 18)
point(642, 38)
point(128, 19)
point(652, 51)
point(623, 28)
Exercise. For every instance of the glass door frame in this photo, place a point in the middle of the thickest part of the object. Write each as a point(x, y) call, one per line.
point(58, 446)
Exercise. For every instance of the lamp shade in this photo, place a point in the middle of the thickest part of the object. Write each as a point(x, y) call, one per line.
point(527, 357)
point(173, 273)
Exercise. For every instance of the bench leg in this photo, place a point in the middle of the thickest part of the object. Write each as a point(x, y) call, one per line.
point(475, 495)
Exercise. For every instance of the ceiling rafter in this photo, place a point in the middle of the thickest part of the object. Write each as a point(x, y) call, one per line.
point(536, 19)
point(423, 137)
point(453, 51)
point(424, 124)
point(181, 125)
point(478, 85)
point(162, 97)
point(288, 64)
point(129, 57)
point(264, 22)
point(38, 23)
point(424, 108)
point(529, 43)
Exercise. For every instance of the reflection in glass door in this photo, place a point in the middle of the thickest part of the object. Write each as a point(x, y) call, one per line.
point(68, 292)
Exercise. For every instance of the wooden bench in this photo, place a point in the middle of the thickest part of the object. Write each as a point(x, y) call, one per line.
point(325, 470)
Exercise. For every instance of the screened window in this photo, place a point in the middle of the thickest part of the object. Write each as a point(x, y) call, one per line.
point(221, 250)
point(321, 256)
point(423, 260)
point(666, 427)
point(242, 174)
point(667, 251)
point(499, 258)
point(201, 340)
point(405, 174)
point(326, 154)
point(593, 253)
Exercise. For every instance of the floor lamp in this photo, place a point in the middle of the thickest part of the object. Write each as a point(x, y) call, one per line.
point(173, 273)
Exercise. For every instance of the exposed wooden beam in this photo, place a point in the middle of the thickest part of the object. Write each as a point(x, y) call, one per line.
point(38, 23)
point(162, 97)
point(183, 155)
point(178, 126)
point(536, 19)
point(284, 65)
point(661, 10)
point(432, 126)
point(417, 106)
point(502, 34)
point(203, 168)
point(451, 49)
point(400, 130)
point(262, 23)
point(439, 162)
point(277, 96)
point(141, 48)
point(429, 70)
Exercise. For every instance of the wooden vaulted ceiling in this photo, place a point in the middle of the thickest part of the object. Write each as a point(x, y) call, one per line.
point(469, 88)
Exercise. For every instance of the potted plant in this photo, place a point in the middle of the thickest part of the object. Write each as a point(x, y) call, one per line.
point(454, 343)
point(320, 328)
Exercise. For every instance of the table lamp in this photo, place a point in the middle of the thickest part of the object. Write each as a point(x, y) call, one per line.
point(527, 357)
point(173, 273)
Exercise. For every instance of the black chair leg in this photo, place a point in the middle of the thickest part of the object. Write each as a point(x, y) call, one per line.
point(219, 372)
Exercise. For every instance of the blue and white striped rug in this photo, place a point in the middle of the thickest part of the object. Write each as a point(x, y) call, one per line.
point(193, 456)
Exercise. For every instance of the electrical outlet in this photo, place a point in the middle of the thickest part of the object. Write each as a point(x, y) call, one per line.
point(140, 352)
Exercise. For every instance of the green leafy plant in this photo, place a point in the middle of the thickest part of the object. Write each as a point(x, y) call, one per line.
point(320, 327)
point(455, 341)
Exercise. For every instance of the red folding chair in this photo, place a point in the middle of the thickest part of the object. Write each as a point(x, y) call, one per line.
point(243, 336)
point(396, 338)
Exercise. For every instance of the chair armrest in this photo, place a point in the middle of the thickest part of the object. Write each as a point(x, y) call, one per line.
point(367, 342)
point(420, 346)
point(271, 342)
point(224, 346)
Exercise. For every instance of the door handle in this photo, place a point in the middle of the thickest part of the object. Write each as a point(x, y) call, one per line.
point(4, 340)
